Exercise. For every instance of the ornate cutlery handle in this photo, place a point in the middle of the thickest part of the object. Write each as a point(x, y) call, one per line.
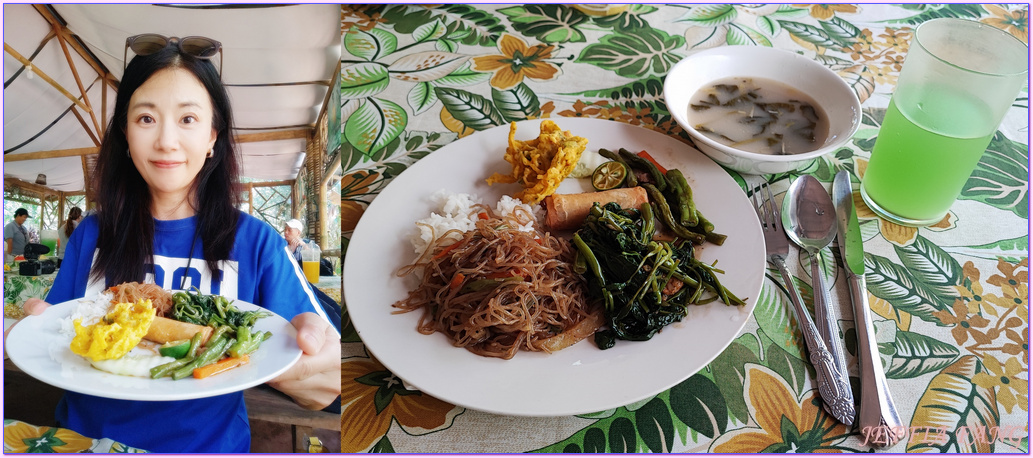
point(825, 321)
point(834, 392)
point(878, 418)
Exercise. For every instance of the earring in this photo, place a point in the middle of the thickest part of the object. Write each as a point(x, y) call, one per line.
point(127, 154)
point(211, 152)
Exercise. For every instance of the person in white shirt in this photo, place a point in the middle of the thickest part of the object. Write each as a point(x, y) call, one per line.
point(65, 230)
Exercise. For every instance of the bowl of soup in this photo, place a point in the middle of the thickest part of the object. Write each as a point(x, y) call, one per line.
point(760, 110)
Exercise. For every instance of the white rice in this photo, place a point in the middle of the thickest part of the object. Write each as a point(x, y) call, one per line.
point(89, 311)
point(455, 211)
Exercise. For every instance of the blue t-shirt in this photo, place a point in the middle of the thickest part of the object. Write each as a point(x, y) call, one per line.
point(261, 271)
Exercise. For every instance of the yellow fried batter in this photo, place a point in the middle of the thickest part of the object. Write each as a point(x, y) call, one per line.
point(116, 334)
point(542, 163)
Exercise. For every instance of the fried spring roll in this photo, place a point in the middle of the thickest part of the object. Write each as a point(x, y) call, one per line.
point(568, 211)
point(164, 330)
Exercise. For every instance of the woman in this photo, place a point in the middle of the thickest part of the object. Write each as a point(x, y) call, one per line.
point(167, 187)
point(65, 230)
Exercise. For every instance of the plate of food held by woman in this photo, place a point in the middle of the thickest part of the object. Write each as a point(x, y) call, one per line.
point(575, 379)
point(42, 346)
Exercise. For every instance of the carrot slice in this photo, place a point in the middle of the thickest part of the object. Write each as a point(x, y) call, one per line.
point(445, 251)
point(644, 155)
point(221, 366)
point(456, 282)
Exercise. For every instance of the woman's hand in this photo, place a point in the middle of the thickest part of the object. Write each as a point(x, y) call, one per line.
point(32, 306)
point(315, 380)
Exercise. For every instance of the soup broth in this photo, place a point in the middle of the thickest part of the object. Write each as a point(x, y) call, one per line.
point(759, 115)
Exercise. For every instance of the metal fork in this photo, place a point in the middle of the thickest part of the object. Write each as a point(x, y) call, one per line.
point(834, 392)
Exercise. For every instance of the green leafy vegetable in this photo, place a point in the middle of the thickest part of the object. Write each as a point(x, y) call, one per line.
point(211, 310)
point(644, 284)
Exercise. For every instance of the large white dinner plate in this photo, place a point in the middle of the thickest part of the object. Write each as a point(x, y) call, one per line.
point(37, 347)
point(579, 379)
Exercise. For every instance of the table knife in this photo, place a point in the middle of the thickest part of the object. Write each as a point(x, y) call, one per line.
point(877, 417)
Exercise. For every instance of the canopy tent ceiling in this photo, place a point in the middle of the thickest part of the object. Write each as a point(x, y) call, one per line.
point(278, 64)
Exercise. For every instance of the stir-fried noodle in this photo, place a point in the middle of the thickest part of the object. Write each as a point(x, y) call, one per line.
point(498, 290)
point(161, 300)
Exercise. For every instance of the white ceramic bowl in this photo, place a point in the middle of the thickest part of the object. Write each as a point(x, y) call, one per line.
point(829, 91)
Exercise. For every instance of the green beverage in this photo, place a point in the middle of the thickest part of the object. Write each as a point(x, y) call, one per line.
point(48, 237)
point(924, 155)
point(958, 81)
point(50, 243)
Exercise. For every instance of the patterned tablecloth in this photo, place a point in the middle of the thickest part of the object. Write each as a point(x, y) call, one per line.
point(19, 288)
point(950, 301)
point(21, 437)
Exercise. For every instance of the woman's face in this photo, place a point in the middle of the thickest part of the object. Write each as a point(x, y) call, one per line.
point(170, 132)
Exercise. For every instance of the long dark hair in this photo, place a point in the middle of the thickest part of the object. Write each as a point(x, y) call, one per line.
point(73, 215)
point(125, 244)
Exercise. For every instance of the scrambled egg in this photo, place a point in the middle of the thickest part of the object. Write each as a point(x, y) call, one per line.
point(542, 163)
point(115, 334)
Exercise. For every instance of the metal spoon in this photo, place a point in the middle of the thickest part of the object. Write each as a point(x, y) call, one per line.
point(809, 217)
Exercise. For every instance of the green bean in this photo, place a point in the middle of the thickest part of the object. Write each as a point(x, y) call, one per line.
point(629, 178)
point(716, 238)
point(195, 344)
point(665, 215)
point(209, 355)
point(249, 347)
point(243, 339)
point(256, 341)
point(219, 332)
point(644, 164)
point(683, 195)
point(163, 370)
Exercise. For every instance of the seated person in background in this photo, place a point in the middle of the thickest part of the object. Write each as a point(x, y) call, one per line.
point(292, 232)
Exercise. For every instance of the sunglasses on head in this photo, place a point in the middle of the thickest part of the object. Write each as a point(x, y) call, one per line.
point(150, 43)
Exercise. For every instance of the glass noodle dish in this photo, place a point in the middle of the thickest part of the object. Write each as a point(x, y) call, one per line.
point(500, 287)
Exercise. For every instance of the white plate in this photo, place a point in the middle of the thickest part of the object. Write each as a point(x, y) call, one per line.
point(579, 379)
point(37, 347)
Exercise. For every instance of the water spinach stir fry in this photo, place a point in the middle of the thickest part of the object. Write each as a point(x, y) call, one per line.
point(644, 284)
point(228, 345)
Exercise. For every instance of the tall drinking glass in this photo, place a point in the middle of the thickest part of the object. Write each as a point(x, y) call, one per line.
point(959, 79)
